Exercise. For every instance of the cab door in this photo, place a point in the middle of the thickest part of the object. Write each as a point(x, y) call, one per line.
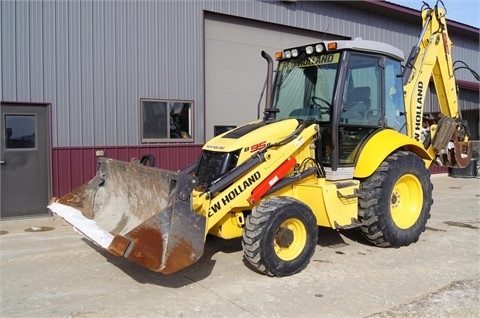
point(362, 106)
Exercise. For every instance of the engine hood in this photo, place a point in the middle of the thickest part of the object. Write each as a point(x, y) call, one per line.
point(253, 136)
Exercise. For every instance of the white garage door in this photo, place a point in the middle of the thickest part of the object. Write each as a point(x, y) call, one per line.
point(234, 70)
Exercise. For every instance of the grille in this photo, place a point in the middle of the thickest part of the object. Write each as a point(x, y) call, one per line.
point(213, 165)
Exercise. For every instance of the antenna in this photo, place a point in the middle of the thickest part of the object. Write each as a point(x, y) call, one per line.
point(325, 33)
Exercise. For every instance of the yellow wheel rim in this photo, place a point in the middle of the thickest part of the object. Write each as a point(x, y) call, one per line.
point(406, 201)
point(290, 239)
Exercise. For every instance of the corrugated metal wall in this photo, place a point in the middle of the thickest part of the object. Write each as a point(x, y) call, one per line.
point(94, 60)
point(326, 16)
point(467, 51)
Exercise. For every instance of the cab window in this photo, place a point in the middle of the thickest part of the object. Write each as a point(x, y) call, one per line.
point(361, 111)
point(394, 103)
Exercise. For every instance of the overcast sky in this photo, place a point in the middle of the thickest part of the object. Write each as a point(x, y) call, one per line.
point(463, 11)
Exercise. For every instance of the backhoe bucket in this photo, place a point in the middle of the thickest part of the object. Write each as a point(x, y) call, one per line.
point(138, 212)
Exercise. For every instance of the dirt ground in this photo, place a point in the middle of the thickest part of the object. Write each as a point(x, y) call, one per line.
point(49, 270)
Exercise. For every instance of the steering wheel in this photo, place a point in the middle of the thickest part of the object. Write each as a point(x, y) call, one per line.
point(321, 103)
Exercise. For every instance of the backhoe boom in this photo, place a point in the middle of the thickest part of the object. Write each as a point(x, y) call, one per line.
point(431, 58)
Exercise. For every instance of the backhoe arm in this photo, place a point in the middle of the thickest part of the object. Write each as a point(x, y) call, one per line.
point(431, 58)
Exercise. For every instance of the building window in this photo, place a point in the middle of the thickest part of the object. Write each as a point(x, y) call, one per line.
point(20, 131)
point(163, 120)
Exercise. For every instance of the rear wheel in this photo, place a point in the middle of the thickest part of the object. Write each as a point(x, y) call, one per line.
point(395, 202)
point(280, 236)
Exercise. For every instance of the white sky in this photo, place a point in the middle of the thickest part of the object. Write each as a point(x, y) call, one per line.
point(463, 11)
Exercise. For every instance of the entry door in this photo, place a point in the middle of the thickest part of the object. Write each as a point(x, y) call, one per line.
point(25, 165)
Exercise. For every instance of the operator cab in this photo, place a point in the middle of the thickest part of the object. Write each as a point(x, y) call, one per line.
point(350, 88)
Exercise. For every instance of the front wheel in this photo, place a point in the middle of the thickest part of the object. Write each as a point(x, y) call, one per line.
point(280, 236)
point(395, 201)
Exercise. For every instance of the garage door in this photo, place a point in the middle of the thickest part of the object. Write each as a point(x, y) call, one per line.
point(234, 70)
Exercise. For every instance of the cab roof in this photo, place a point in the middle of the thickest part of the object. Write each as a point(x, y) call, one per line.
point(358, 44)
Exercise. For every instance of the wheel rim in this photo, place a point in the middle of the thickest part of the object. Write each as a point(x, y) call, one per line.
point(290, 239)
point(406, 201)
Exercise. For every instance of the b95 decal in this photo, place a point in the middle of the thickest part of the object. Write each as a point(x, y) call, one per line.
point(256, 147)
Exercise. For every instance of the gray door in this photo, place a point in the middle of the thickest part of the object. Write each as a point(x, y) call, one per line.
point(25, 165)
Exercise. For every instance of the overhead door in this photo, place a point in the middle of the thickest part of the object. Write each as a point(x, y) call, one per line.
point(234, 70)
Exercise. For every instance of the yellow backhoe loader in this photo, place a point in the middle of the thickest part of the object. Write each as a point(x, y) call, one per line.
point(343, 143)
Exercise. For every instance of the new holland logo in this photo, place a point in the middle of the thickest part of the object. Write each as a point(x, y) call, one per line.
point(219, 204)
point(418, 112)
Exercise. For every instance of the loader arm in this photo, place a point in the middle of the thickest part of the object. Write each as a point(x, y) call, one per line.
point(431, 58)
point(257, 175)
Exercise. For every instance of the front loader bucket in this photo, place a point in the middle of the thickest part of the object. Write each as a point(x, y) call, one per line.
point(138, 212)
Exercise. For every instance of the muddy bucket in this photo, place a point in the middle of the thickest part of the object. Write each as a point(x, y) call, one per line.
point(138, 212)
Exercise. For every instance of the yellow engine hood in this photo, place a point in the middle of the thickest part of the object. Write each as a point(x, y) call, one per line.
point(252, 137)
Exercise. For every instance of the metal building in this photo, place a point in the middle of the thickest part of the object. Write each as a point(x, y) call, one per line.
point(86, 78)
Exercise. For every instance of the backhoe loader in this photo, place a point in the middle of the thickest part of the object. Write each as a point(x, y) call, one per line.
point(343, 143)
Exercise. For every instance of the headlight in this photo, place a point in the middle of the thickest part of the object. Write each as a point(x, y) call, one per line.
point(294, 52)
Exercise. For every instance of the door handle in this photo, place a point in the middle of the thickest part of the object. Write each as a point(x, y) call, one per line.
point(2, 162)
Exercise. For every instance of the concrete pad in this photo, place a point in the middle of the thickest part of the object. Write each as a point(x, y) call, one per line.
point(49, 270)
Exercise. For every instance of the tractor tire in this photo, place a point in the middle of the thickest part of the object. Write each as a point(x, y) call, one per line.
point(395, 201)
point(280, 236)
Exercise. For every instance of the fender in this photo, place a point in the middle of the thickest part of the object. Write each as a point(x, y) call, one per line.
point(380, 145)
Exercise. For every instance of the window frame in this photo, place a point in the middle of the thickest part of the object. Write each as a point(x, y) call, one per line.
point(4, 137)
point(346, 161)
point(168, 139)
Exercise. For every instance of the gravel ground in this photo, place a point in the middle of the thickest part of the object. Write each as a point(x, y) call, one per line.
point(48, 270)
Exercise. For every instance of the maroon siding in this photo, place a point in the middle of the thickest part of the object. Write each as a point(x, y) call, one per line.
point(73, 166)
point(438, 169)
